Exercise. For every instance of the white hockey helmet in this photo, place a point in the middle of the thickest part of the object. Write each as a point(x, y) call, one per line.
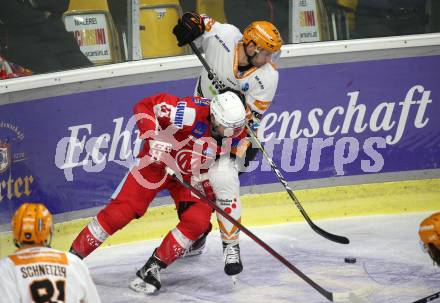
point(228, 114)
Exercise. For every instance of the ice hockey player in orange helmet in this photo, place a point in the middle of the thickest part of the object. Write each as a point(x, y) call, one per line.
point(429, 233)
point(38, 273)
point(32, 225)
point(264, 34)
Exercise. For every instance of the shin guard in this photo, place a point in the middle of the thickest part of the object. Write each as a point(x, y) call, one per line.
point(173, 246)
point(89, 239)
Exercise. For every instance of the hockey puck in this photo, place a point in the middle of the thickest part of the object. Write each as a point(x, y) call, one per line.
point(350, 260)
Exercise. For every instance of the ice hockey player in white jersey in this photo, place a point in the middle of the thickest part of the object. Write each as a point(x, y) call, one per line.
point(37, 273)
point(243, 63)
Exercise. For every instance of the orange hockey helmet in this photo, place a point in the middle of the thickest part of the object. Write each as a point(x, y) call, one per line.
point(32, 224)
point(264, 34)
point(429, 233)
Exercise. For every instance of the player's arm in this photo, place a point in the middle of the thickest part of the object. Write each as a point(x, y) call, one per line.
point(154, 113)
point(153, 116)
point(8, 284)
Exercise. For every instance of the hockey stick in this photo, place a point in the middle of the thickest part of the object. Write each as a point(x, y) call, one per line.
point(429, 298)
point(333, 297)
point(316, 228)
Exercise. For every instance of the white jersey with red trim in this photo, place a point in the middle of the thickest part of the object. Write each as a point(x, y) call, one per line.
point(220, 44)
point(42, 274)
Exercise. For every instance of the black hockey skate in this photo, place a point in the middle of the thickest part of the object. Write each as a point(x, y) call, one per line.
point(231, 256)
point(148, 277)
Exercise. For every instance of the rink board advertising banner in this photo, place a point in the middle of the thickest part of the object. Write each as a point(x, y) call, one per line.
point(325, 121)
point(92, 34)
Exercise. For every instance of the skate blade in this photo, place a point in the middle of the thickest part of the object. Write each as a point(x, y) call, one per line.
point(193, 253)
point(234, 280)
point(138, 285)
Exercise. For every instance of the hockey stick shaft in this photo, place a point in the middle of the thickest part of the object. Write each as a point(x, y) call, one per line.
point(429, 298)
point(251, 235)
point(316, 228)
point(205, 64)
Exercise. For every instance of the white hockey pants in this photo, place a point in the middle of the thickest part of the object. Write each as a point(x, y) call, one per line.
point(223, 176)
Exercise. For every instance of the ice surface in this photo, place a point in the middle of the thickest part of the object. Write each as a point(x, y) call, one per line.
point(391, 267)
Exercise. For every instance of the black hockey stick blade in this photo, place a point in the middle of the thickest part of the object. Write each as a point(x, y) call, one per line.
point(329, 236)
point(430, 298)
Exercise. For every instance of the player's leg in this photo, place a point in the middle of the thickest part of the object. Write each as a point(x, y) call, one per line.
point(199, 245)
point(223, 176)
point(129, 202)
point(193, 222)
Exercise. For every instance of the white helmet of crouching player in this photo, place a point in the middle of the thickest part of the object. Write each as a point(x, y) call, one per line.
point(228, 115)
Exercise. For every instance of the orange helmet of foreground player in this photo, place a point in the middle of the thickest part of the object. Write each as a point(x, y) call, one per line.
point(264, 34)
point(429, 233)
point(32, 224)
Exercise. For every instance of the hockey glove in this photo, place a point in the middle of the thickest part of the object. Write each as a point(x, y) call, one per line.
point(189, 28)
point(159, 151)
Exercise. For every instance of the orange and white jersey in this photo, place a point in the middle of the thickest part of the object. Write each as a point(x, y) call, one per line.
point(41, 274)
point(220, 44)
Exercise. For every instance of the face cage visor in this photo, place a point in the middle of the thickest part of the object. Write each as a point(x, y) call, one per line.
point(268, 55)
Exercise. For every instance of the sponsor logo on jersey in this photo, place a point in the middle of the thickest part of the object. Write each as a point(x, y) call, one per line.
point(53, 257)
point(190, 161)
point(224, 201)
point(259, 82)
point(222, 43)
point(180, 112)
point(199, 129)
point(245, 87)
point(201, 101)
